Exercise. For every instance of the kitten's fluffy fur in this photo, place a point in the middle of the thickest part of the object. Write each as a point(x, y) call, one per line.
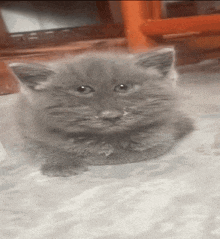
point(125, 112)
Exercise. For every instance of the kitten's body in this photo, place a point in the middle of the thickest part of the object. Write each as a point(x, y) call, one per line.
point(130, 115)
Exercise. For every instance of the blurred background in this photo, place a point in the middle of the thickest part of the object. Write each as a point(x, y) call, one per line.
point(24, 16)
point(44, 30)
point(29, 24)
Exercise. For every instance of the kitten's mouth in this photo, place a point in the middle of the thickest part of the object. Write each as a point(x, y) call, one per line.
point(98, 125)
point(108, 126)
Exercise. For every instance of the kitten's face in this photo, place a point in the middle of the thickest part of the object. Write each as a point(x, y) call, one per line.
point(102, 93)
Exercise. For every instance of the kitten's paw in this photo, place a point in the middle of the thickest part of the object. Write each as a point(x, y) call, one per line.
point(61, 170)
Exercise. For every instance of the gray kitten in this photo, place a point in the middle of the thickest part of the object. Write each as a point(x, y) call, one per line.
point(99, 108)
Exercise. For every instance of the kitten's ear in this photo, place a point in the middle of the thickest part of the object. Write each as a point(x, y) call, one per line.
point(34, 76)
point(162, 60)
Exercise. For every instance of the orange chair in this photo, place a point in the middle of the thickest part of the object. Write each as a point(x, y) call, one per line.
point(143, 23)
point(135, 14)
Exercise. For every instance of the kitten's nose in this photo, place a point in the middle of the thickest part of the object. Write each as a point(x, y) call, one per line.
point(111, 115)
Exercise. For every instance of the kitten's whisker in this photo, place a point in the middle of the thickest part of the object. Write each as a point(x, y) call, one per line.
point(54, 106)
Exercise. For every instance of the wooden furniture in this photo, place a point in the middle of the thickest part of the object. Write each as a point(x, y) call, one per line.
point(7, 82)
point(48, 45)
point(196, 38)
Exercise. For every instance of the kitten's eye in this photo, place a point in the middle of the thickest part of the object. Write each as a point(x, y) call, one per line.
point(85, 89)
point(121, 88)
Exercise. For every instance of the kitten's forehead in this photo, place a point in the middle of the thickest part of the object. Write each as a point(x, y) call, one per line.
point(93, 67)
point(111, 67)
point(98, 60)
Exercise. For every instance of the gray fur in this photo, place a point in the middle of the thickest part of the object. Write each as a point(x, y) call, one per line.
point(108, 125)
